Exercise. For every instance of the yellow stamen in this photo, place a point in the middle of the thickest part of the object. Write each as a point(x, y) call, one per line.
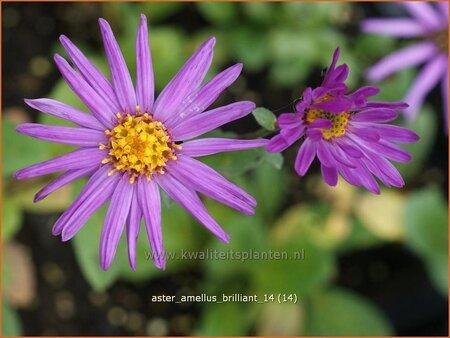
point(338, 121)
point(139, 145)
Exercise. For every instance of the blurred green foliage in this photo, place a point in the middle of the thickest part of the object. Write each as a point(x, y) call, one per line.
point(284, 44)
point(427, 232)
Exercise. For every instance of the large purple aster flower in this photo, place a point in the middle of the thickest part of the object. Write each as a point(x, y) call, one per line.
point(346, 133)
point(133, 144)
point(429, 22)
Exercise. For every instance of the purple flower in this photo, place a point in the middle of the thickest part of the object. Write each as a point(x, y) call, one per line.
point(132, 144)
point(345, 132)
point(429, 23)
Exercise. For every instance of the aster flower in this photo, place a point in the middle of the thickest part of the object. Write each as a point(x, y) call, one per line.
point(429, 23)
point(132, 144)
point(345, 132)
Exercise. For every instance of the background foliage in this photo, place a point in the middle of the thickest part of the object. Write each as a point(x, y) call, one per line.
point(283, 47)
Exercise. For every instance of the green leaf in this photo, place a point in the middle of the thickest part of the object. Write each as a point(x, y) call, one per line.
point(427, 232)
point(394, 87)
point(365, 51)
point(337, 312)
point(426, 222)
point(218, 13)
point(268, 187)
point(250, 47)
point(226, 319)
point(10, 320)
point(274, 159)
point(293, 272)
point(86, 247)
point(159, 11)
point(168, 53)
point(261, 12)
point(19, 150)
point(285, 46)
point(247, 236)
point(425, 125)
point(176, 223)
point(265, 118)
point(359, 238)
point(437, 267)
point(11, 218)
point(54, 203)
point(237, 163)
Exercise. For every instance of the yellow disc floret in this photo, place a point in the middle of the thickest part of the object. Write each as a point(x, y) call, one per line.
point(139, 145)
point(338, 121)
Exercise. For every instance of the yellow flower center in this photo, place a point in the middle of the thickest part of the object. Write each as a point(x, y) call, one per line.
point(139, 145)
point(338, 121)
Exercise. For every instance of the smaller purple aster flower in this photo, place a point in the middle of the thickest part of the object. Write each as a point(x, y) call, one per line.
point(346, 132)
point(429, 22)
point(133, 144)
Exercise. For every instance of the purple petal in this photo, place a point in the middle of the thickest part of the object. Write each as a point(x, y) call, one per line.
point(202, 178)
point(349, 175)
point(334, 60)
point(314, 134)
point(391, 105)
point(335, 78)
point(150, 204)
point(285, 139)
point(121, 80)
point(384, 170)
point(185, 82)
point(364, 132)
point(320, 123)
point(91, 99)
point(339, 155)
point(403, 58)
point(348, 147)
point(401, 28)
point(382, 148)
point(443, 9)
point(209, 146)
point(305, 156)
point(367, 179)
point(361, 177)
point(318, 93)
point(66, 178)
point(64, 111)
point(204, 96)
point(395, 134)
point(145, 86)
point(277, 144)
point(365, 91)
point(80, 137)
point(211, 119)
point(392, 151)
point(424, 13)
point(95, 193)
point(305, 101)
point(324, 154)
point(290, 120)
point(375, 115)
point(428, 77)
point(133, 227)
point(335, 105)
point(189, 200)
point(91, 74)
point(77, 159)
point(115, 221)
point(330, 175)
